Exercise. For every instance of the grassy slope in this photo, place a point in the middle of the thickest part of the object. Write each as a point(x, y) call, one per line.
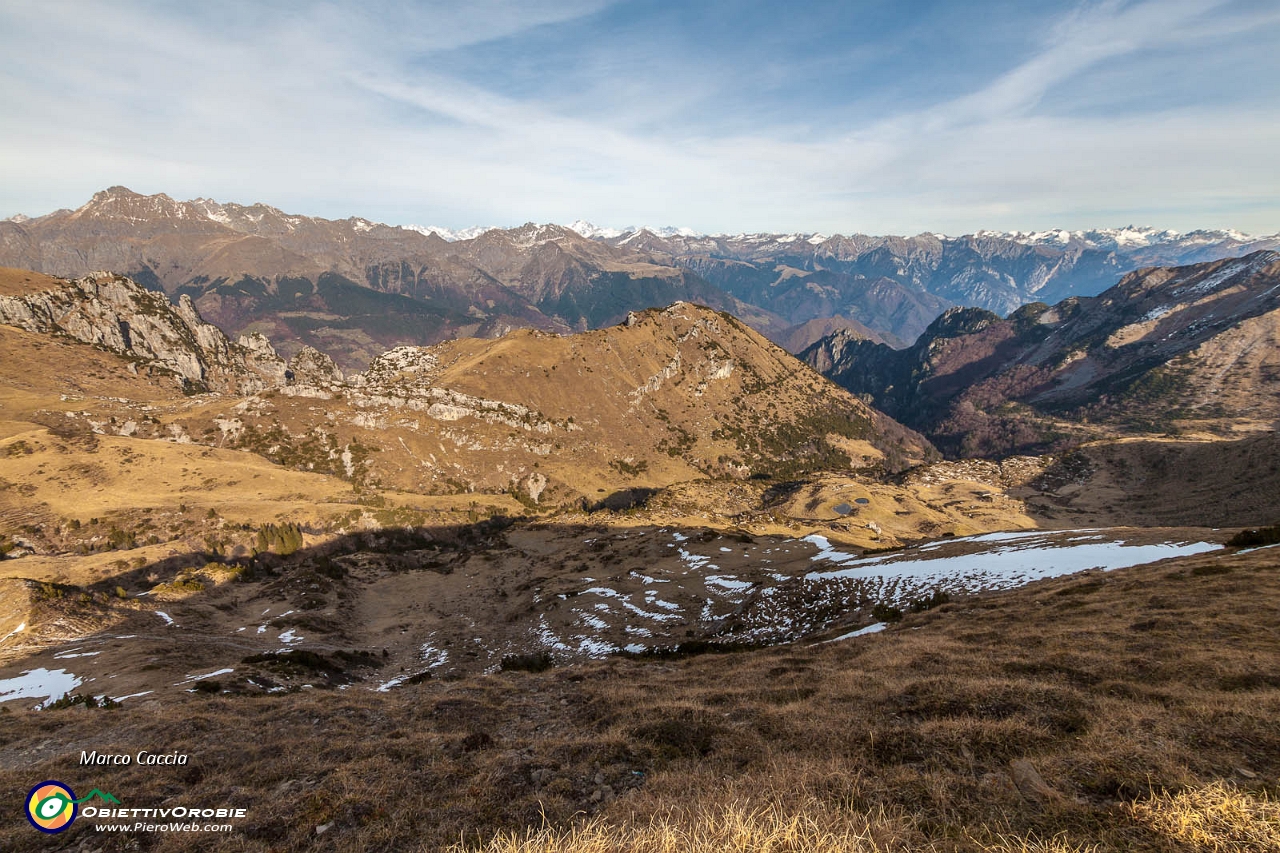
point(1090, 694)
point(682, 394)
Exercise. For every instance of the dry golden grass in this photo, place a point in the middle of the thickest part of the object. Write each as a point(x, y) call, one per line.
point(17, 282)
point(1217, 817)
point(743, 827)
point(735, 828)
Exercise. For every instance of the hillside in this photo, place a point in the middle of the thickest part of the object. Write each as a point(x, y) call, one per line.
point(1089, 722)
point(670, 395)
point(801, 336)
point(116, 314)
point(1182, 349)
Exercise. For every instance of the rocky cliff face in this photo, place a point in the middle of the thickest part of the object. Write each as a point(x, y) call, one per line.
point(117, 314)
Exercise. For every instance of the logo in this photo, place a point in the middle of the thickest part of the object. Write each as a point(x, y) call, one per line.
point(52, 806)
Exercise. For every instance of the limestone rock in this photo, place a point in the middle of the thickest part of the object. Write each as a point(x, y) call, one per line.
point(312, 367)
point(116, 313)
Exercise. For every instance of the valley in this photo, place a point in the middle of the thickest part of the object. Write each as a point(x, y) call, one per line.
point(590, 573)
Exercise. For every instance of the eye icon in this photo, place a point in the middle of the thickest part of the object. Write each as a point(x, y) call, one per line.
point(51, 806)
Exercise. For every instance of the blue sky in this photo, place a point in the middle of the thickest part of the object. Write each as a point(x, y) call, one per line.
point(875, 117)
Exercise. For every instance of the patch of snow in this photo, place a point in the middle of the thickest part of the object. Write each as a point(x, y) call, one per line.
point(132, 696)
point(46, 684)
point(695, 561)
point(168, 620)
point(728, 582)
point(595, 648)
point(452, 235)
point(1021, 559)
point(657, 617)
point(548, 637)
point(192, 678)
point(593, 621)
point(387, 685)
point(434, 657)
point(652, 599)
point(870, 629)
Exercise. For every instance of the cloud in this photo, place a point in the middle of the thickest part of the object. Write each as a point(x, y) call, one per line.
point(340, 110)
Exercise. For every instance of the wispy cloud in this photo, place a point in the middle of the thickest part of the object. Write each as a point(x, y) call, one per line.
point(500, 111)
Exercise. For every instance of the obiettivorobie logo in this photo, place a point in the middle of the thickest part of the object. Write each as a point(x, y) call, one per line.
point(52, 806)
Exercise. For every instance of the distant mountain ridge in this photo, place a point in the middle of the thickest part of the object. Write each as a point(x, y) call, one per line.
point(1127, 237)
point(897, 284)
point(1165, 350)
point(995, 271)
point(354, 287)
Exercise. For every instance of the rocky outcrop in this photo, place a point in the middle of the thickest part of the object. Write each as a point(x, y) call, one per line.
point(312, 367)
point(117, 314)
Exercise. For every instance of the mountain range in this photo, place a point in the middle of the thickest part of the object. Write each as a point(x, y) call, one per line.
point(354, 288)
point(1183, 349)
point(554, 575)
point(668, 395)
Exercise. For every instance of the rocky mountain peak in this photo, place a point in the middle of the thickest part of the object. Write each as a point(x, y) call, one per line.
point(956, 322)
point(309, 366)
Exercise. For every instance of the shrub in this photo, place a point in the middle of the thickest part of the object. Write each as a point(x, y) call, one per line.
point(71, 700)
point(531, 662)
point(885, 613)
point(1255, 537)
point(936, 599)
point(283, 539)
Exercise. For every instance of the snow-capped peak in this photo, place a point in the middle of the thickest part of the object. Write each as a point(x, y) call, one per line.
point(590, 231)
point(596, 232)
point(450, 234)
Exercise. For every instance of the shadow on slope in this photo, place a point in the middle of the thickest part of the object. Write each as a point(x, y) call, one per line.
point(1091, 697)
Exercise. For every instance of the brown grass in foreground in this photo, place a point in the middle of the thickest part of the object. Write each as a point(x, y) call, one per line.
point(1216, 817)
point(1051, 718)
point(811, 826)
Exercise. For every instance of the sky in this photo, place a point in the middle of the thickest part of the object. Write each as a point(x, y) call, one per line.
point(871, 116)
